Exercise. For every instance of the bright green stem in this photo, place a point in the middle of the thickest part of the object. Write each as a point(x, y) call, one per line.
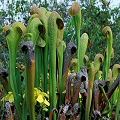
point(42, 70)
point(12, 65)
point(38, 65)
point(13, 82)
point(107, 32)
point(18, 78)
point(60, 50)
point(45, 62)
point(90, 88)
point(60, 66)
point(77, 22)
point(75, 12)
point(52, 33)
point(79, 47)
point(52, 46)
point(24, 110)
point(82, 47)
point(118, 105)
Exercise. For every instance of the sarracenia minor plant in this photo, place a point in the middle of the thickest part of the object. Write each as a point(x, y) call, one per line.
point(52, 81)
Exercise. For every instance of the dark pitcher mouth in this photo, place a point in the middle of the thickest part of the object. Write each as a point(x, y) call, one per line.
point(42, 30)
point(72, 47)
point(60, 23)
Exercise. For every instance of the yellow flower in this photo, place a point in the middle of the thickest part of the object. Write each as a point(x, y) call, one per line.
point(9, 97)
point(46, 102)
point(40, 98)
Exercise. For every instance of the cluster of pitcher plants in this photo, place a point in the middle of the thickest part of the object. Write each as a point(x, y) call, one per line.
point(55, 80)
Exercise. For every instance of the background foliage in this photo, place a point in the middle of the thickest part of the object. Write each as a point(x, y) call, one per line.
point(95, 16)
